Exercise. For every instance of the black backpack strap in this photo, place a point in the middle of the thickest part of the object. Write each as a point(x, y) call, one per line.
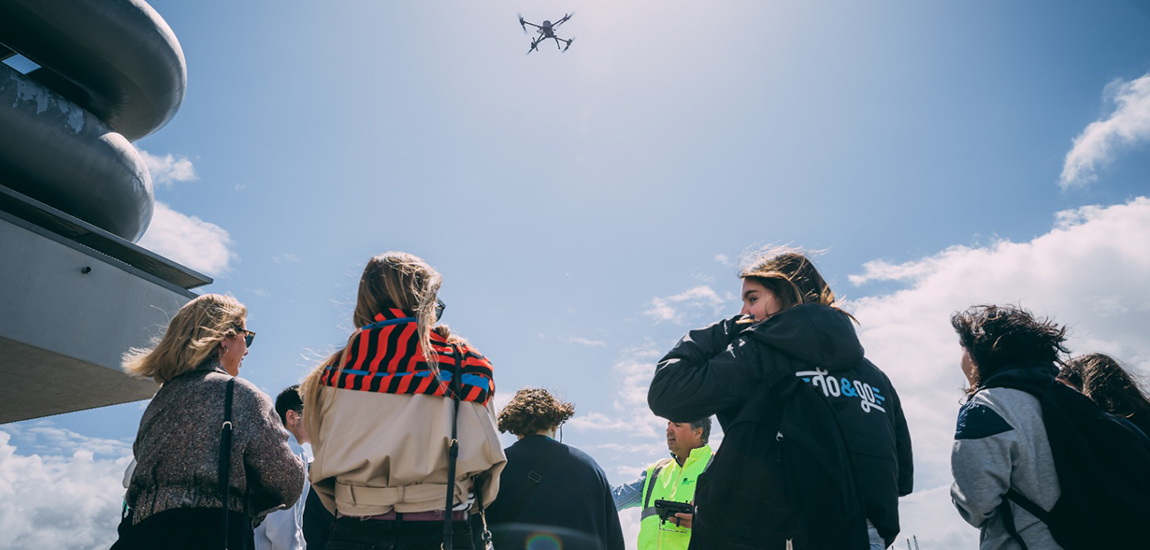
point(453, 448)
point(1008, 515)
point(533, 479)
point(225, 465)
point(1028, 505)
point(1008, 522)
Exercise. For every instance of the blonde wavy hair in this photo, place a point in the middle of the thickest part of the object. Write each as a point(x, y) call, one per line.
point(390, 280)
point(192, 337)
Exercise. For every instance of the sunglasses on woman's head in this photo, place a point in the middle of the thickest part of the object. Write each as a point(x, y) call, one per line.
point(439, 307)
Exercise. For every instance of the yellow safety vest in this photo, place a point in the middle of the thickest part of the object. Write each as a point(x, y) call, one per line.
point(666, 480)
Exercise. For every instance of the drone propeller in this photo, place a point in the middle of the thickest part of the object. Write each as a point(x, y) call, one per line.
point(522, 23)
point(566, 16)
point(569, 41)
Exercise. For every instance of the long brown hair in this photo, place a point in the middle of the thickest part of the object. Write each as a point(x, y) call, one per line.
point(390, 280)
point(1105, 382)
point(790, 276)
point(192, 337)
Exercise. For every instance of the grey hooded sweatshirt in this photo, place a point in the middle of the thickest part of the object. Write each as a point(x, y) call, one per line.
point(1000, 442)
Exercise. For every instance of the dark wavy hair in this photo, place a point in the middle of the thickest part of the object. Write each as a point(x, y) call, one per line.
point(533, 410)
point(1006, 336)
point(1105, 382)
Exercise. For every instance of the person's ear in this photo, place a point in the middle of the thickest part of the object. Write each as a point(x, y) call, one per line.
point(292, 418)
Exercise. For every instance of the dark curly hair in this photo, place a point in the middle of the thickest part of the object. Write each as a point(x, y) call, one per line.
point(1105, 382)
point(533, 410)
point(1006, 336)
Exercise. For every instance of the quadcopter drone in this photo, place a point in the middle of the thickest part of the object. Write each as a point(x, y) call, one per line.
point(546, 31)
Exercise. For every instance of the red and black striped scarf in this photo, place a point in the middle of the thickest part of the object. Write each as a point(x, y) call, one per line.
point(386, 357)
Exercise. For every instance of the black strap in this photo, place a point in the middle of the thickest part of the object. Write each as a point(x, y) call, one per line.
point(225, 465)
point(1026, 504)
point(533, 479)
point(477, 482)
point(453, 449)
point(1008, 523)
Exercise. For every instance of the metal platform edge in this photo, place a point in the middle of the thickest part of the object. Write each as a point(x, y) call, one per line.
point(85, 237)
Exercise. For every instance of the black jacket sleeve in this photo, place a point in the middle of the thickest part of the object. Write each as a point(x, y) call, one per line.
point(902, 446)
point(710, 370)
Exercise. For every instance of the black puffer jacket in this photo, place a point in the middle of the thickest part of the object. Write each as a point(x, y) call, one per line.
point(722, 368)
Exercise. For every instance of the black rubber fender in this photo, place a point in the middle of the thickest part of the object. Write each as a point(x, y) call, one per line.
point(58, 153)
point(117, 59)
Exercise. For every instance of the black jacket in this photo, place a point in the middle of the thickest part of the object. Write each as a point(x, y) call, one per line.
point(568, 493)
point(718, 369)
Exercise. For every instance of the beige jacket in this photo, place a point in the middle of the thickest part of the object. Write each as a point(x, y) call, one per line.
point(375, 452)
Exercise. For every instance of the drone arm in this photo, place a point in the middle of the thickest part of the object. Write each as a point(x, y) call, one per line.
point(565, 18)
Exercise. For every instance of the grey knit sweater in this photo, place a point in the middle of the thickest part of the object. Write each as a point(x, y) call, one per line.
point(177, 449)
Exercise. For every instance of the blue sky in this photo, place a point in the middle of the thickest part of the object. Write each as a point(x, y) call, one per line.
point(587, 208)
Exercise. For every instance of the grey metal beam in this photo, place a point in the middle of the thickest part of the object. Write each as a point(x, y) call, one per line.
point(67, 315)
point(74, 232)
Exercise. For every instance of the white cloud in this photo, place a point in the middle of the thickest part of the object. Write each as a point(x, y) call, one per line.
point(1091, 272)
point(53, 501)
point(630, 415)
point(723, 259)
point(672, 308)
point(169, 169)
point(629, 520)
point(285, 258)
point(200, 245)
point(584, 341)
point(1128, 125)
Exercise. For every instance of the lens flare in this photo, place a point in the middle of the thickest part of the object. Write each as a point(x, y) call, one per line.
point(543, 541)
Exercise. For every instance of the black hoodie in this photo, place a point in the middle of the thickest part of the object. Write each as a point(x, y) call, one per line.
point(718, 369)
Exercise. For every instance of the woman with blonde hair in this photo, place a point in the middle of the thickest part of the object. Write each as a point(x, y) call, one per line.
point(176, 493)
point(400, 418)
point(804, 414)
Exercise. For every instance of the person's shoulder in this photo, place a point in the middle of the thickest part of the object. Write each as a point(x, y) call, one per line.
point(466, 347)
point(581, 456)
point(978, 419)
point(247, 391)
point(661, 463)
point(992, 411)
point(587, 462)
point(1003, 399)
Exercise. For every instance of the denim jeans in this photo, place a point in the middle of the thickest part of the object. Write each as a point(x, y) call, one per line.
point(876, 542)
point(357, 534)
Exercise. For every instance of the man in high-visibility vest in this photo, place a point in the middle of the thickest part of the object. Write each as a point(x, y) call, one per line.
point(669, 479)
